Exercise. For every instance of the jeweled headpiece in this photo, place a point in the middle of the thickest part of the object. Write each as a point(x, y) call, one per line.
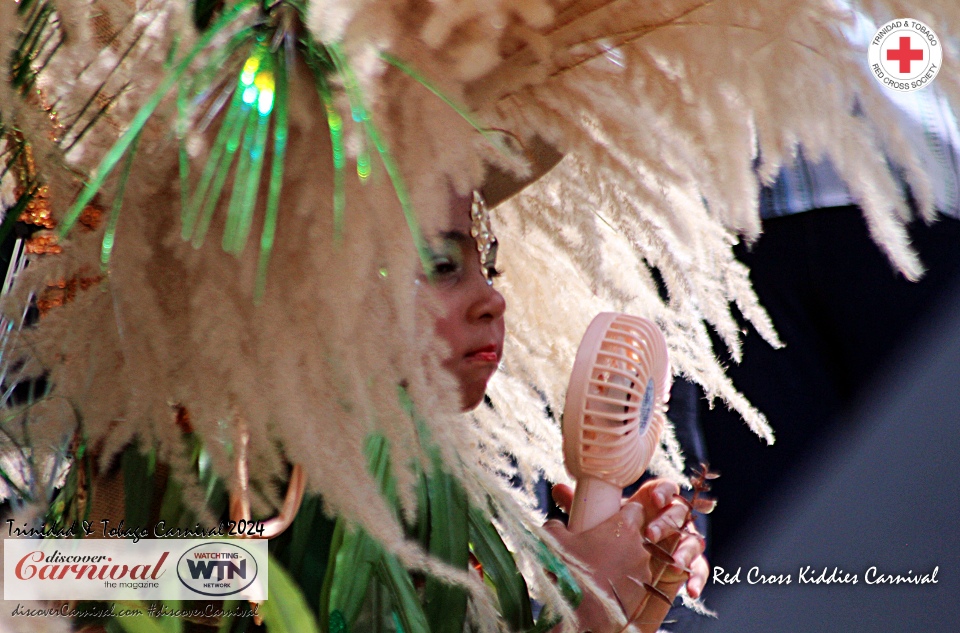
point(482, 232)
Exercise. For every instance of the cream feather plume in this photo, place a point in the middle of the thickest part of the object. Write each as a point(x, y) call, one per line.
point(666, 113)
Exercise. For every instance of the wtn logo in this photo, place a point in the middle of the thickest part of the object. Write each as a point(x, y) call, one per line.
point(217, 569)
point(225, 569)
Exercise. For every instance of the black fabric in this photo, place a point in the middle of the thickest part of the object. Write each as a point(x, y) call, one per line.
point(878, 493)
point(844, 315)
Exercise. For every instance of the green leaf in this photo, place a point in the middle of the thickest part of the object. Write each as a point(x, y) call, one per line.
point(335, 125)
point(215, 493)
point(120, 148)
point(355, 564)
point(110, 233)
point(446, 605)
point(336, 544)
point(172, 624)
point(138, 481)
point(409, 611)
point(309, 549)
point(361, 114)
point(276, 173)
point(500, 567)
point(337, 623)
point(429, 85)
point(565, 582)
point(215, 172)
point(286, 610)
point(240, 210)
point(183, 157)
point(227, 623)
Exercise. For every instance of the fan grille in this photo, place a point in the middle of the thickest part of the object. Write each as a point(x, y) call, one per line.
point(617, 399)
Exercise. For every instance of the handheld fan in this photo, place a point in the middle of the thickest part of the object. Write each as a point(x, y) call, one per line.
point(613, 413)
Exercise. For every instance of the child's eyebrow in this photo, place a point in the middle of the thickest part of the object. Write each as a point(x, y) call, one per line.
point(456, 236)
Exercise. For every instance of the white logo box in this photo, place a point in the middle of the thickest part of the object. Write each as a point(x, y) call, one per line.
point(121, 569)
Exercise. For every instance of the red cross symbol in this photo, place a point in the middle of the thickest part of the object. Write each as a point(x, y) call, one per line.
point(905, 54)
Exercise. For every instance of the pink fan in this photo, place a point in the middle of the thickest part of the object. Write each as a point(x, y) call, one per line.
point(614, 412)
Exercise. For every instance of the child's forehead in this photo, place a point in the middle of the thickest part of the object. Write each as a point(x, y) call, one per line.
point(457, 218)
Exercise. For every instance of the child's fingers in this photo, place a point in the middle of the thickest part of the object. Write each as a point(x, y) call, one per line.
point(562, 496)
point(700, 571)
point(668, 521)
point(655, 495)
point(689, 549)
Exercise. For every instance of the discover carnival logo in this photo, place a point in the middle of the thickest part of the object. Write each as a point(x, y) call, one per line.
point(905, 55)
point(124, 569)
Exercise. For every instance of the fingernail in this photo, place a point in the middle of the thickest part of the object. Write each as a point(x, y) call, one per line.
point(661, 500)
point(694, 588)
point(654, 533)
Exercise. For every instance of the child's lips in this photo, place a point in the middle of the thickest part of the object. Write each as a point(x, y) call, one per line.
point(487, 354)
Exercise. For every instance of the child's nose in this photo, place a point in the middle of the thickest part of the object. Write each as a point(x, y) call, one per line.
point(488, 304)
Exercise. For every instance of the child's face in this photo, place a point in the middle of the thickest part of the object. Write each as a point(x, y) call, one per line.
point(472, 318)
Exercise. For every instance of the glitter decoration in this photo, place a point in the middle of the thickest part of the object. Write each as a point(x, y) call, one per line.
point(62, 292)
point(37, 212)
point(91, 218)
point(257, 83)
point(43, 243)
point(483, 234)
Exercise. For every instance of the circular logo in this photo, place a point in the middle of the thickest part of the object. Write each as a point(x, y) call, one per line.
point(905, 55)
point(217, 568)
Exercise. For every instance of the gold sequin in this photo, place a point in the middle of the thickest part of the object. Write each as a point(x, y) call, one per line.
point(91, 217)
point(38, 211)
point(43, 243)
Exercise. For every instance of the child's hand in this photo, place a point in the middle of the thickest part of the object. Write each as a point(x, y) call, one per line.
point(614, 551)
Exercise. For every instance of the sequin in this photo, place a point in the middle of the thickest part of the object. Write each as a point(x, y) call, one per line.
point(483, 234)
point(91, 217)
point(62, 292)
point(42, 243)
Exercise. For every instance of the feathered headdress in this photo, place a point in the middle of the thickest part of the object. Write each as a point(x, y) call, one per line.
point(228, 201)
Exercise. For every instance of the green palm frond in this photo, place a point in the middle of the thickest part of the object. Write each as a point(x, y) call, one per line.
point(252, 110)
point(250, 104)
point(286, 610)
point(123, 145)
point(361, 114)
point(501, 568)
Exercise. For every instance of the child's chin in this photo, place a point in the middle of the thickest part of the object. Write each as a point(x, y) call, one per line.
point(472, 396)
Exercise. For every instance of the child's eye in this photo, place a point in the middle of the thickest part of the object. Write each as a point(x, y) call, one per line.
point(446, 263)
point(443, 268)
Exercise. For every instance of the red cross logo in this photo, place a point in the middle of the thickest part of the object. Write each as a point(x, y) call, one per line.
point(905, 55)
